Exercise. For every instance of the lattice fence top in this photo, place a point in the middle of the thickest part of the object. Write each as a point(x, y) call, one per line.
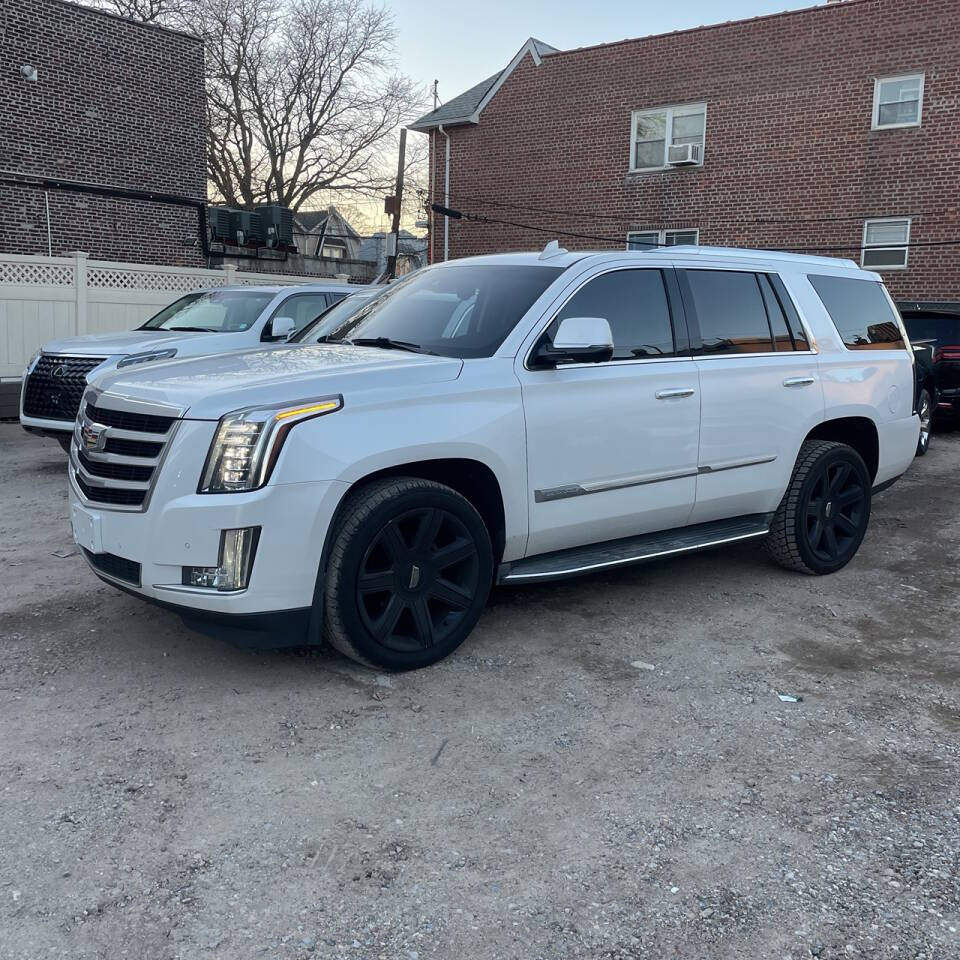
point(120, 279)
point(36, 274)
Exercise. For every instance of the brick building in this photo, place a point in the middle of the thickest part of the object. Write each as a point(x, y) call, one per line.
point(99, 113)
point(829, 129)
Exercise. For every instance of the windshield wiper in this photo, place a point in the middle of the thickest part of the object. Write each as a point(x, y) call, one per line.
point(387, 343)
point(193, 329)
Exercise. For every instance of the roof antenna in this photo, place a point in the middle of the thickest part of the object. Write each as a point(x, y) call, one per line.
point(552, 249)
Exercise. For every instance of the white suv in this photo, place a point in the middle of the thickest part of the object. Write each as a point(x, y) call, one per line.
point(199, 323)
point(504, 419)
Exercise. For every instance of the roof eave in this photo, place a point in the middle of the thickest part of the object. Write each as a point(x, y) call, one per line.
point(425, 126)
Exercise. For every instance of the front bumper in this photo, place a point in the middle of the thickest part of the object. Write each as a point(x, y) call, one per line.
point(182, 528)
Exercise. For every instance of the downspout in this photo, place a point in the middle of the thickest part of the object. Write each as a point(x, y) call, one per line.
point(446, 197)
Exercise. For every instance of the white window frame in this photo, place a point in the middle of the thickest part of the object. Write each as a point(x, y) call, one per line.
point(886, 246)
point(662, 235)
point(683, 109)
point(877, 125)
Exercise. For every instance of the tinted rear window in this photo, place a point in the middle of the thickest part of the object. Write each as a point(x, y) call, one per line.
point(730, 311)
point(933, 327)
point(860, 311)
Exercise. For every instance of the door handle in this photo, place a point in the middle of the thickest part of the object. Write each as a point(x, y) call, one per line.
point(798, 381)
point(678, 392)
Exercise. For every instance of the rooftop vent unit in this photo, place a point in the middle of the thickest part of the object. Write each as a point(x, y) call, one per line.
point(277, 224)
point(222, 224)
point(684, 154)
point(249, 229)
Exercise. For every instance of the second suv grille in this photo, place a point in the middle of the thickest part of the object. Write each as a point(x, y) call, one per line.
point(115, 454)
point(55, 387)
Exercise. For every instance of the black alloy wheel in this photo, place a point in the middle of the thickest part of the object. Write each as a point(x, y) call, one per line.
point(925, 411)
point(417, 579)
point(409, 571)
point(835, 513)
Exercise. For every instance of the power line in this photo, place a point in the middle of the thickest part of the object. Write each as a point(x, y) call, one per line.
point(618, 241)
point(618, 218)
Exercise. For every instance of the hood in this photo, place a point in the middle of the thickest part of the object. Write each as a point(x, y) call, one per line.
point(209, 387)
point(121, 344)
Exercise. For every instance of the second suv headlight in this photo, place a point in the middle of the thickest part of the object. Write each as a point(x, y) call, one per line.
point(248, 442)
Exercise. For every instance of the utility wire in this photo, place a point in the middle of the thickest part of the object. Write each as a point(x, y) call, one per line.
point(478, 218)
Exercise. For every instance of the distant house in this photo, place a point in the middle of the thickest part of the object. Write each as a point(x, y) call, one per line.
point(327, 234)
point(411, 252)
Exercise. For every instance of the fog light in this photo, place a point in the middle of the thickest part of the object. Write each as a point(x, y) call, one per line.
point(237, 548)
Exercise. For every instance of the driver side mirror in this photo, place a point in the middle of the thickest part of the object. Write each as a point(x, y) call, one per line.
point(578, 340)
point(279, 330)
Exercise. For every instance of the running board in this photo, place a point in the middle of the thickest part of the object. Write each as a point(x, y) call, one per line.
point(619, 553)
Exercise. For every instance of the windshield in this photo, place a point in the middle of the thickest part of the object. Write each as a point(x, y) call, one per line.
point(461, 310)
point(333, 317)
point(225, 311)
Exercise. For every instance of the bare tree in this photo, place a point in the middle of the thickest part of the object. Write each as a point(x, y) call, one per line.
point(303, 96)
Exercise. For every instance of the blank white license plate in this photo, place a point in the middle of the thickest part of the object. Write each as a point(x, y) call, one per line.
point(86, 528)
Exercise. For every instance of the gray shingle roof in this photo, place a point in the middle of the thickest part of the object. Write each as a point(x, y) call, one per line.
point(311, 219)
point(461, 108)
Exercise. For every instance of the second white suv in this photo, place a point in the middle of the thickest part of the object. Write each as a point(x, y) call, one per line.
point(199, 323)
point(505, 419)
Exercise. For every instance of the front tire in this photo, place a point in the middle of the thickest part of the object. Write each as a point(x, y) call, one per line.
point(925, 411)
point(408, 575)
point(823, 516)
point(64, 441)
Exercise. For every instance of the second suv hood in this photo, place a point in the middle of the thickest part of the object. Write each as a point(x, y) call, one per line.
point(115, 344)
point(208, 387)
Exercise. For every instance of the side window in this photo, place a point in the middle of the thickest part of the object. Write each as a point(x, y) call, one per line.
point(303, 307)
point(793, 318)
point(730, 312)
point(634, 302)
point(860, 311)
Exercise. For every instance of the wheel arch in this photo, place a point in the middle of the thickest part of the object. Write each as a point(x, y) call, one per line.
point(858, 432)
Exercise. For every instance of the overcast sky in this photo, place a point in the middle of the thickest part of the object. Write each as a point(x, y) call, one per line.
point(460, 42)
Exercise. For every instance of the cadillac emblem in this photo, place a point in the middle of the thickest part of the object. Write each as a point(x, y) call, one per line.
point(94, 436)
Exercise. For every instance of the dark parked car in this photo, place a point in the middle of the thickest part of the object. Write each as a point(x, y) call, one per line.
point(938, 328)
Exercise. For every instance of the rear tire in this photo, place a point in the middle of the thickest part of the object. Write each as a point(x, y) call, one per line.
point(823, 516)
point(408, 575)
point(925, 410)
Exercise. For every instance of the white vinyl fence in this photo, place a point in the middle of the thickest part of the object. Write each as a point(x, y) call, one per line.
point(44, 298)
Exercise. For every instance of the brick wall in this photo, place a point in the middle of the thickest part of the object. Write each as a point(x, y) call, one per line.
point(788, 137)
point(116, 104)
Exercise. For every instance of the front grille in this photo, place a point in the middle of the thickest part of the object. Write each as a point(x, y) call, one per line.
point(114, 471)
point(120, 568)
point(55, 387)
point(116, 453)
point(124, 420)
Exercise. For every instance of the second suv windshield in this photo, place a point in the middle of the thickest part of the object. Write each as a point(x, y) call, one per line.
point(456, 311)
point(228, 311)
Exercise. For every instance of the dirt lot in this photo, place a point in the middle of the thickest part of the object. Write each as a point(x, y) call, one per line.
point(604, 770)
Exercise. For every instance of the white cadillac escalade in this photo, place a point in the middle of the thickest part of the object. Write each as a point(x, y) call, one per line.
point(505, 419)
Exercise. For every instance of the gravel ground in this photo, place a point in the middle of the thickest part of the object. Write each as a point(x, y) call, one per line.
point(604, 770)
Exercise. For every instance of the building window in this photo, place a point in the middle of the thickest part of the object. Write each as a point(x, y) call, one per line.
point(897, 101)
point(334, 249)
point(885, 244)
point(668, 137)
point(647, 239)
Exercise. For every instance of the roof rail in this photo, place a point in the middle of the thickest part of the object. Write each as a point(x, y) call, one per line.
point(553, 249)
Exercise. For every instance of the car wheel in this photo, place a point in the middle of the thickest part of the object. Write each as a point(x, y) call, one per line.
point(925, 410)
point(823, 516)
point(409, 572)
point(64, 442)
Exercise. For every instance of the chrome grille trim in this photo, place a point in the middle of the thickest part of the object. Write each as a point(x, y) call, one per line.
point(121, 489)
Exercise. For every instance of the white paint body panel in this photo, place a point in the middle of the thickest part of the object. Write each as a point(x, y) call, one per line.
point(639, 459)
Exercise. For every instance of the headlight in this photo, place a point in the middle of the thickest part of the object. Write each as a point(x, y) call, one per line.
point(248, 442)
point(149, 357)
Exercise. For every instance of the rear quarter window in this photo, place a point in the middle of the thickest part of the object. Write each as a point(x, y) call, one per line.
point(860, 311)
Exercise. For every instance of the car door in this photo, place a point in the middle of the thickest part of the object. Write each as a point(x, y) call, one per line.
point(612, 446)
point(302, 307)
point(760, 387)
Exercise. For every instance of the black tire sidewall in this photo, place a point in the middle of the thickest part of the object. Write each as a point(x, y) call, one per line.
point(343, 591)
point(840, 454)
